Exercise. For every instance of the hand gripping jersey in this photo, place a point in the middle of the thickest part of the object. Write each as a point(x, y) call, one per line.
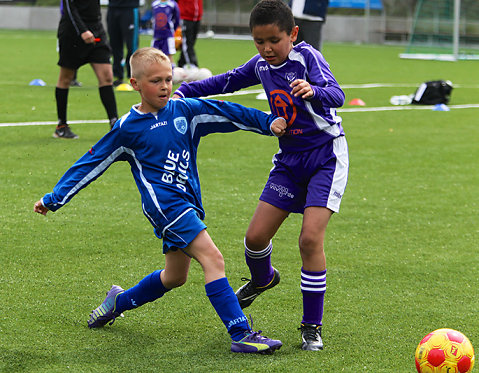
point(161, 150)
point(311, 122)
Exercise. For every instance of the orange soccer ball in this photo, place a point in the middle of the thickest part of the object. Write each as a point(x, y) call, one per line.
point(444, 351)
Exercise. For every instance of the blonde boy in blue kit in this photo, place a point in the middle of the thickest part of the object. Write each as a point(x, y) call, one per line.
point(159, 138)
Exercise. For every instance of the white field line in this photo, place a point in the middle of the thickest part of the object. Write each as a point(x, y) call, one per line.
point(258, 91)
point(47, 123)
point(405, 107)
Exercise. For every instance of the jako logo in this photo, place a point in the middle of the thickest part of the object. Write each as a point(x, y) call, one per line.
point(237, 321)
point(282, 190)
point(159, 124)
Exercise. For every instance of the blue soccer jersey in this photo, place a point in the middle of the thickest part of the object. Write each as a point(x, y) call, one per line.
point(311, 122)
point(161, 150)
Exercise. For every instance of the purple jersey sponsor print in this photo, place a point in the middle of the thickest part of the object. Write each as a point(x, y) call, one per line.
point(311, 122)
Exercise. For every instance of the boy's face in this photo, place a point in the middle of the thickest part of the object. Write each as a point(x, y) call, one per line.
point(272, 44)
point(155, 86)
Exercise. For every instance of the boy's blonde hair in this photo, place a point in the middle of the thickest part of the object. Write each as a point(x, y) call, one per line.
point(145, 56)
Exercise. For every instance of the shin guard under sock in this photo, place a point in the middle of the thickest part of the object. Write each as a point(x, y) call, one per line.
point(259, 263)
point(147, 290)
point(313, 287)
point(224, 301)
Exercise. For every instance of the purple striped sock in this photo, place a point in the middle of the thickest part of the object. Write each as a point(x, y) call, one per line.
point(259, 263)
point(313, 287)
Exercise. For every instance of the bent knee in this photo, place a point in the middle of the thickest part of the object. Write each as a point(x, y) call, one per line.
point(175, 281)
point(255, 241)
point(309, 244)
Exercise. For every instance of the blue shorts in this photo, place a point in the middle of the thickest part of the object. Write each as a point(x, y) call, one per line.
point(182, 231)
point(317, 177)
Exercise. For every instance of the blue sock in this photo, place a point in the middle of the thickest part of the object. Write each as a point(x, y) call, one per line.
point(147, 290)
point(224, 301)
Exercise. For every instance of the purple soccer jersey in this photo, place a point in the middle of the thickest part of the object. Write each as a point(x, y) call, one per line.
point(166, 19)
point(311, 122)
point(311, 167)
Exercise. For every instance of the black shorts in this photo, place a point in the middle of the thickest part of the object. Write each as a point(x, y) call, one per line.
point(74, 52)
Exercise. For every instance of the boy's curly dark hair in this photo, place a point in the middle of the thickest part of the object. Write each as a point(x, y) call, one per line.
point(275, 12)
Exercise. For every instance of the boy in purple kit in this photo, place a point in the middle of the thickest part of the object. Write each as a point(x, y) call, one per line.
point(311, 168)
point(166, 19)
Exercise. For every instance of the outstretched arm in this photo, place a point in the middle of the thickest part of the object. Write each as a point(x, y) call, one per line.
point(87, 169)
point(231, 81)
point(216, 116)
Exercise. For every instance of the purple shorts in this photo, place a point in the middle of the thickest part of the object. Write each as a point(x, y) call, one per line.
point(317, 177)
point(167, 46)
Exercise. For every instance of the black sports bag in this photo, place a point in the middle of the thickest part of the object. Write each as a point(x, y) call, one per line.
point(433, 92)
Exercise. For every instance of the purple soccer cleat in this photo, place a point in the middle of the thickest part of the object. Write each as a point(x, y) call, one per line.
point(105, 312)
point(255, 343)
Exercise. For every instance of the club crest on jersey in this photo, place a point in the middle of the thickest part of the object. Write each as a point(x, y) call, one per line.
point(282, 105)
point(181, 125)
point(290, 77)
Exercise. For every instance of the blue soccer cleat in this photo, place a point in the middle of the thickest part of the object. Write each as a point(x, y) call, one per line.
point(105, 312)
point(255, 343)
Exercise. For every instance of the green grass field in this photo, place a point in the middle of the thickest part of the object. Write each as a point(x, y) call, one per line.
point(402, 254)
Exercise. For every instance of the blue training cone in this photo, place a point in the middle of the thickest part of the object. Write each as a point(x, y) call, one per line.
point(38, 82)
point(440, 107)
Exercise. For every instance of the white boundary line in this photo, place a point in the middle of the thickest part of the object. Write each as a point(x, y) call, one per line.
point(257, 91)
point(345, 110)
point(406, 107)
point(17, 124)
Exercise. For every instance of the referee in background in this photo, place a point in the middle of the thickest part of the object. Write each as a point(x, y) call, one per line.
point(81, 40)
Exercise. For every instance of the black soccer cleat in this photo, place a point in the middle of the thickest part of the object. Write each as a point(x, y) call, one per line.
point(63, 131)
point(247, 293)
